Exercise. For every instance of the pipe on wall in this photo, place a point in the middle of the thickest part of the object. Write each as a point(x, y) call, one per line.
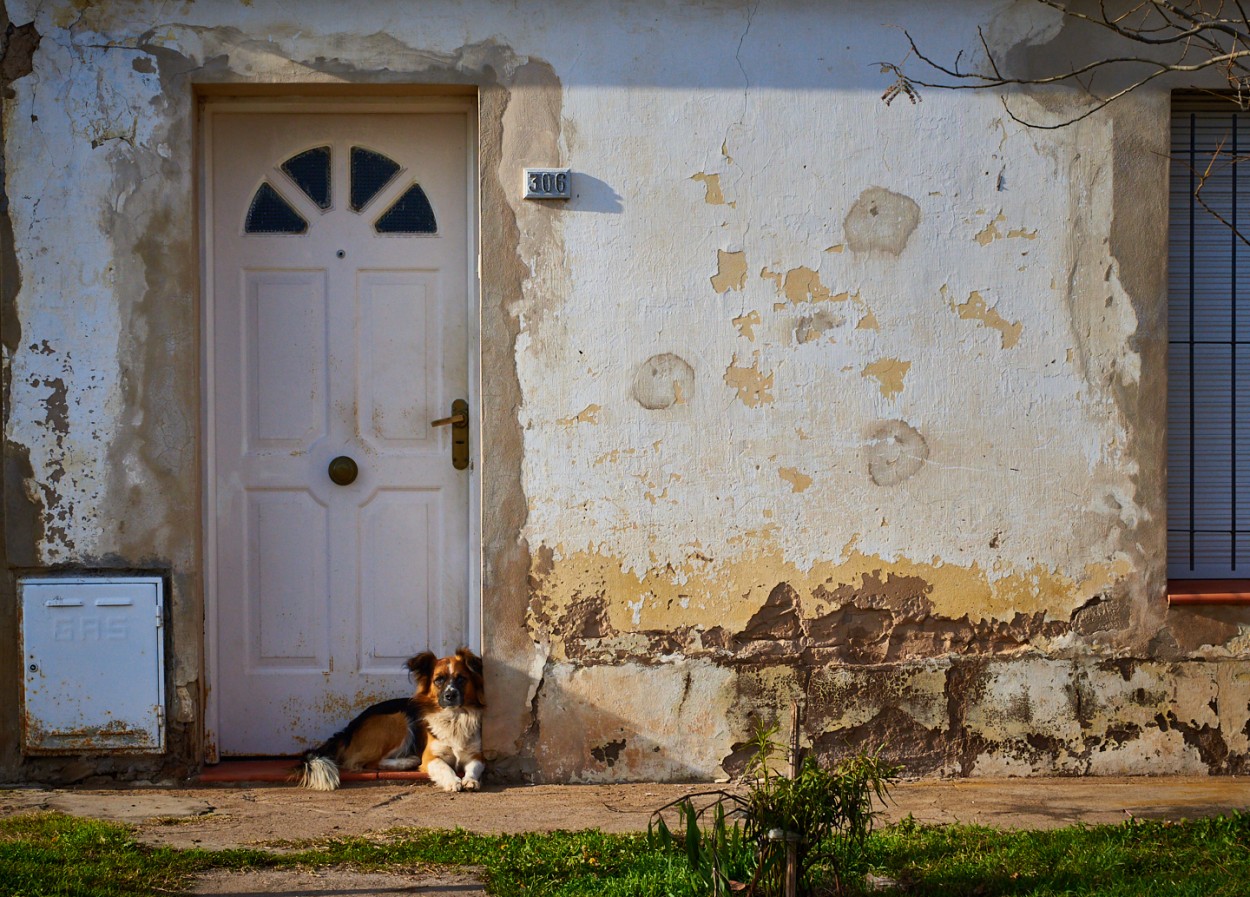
point(1227, 592)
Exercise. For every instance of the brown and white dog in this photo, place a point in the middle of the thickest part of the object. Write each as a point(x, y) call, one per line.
point(438, 729)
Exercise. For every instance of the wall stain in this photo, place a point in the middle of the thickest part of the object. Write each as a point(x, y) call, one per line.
point(895, 451)
point(609, 753)
point(881, 221)
point(810, 328)
point(663, 381)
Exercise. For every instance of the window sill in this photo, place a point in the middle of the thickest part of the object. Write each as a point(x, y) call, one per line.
point(1209, 591)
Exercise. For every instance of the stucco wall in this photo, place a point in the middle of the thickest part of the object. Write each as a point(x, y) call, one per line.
point(800, 396)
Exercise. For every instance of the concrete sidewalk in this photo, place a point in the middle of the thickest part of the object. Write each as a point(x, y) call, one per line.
point(226, 816)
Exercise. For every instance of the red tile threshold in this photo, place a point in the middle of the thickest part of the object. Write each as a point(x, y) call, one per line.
point(282, 769)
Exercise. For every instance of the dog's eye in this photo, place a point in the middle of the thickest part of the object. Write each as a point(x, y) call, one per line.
point(439, 680)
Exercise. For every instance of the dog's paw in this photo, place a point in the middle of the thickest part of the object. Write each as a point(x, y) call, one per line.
point(471, 784)
point(457, 785)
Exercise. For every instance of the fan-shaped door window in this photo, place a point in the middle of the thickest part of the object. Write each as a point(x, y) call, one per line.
point(370, 173)
point(410, 214)
point(270, 213)
point(310, 170)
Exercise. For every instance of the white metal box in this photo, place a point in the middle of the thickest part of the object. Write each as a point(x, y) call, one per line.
point(93, 655)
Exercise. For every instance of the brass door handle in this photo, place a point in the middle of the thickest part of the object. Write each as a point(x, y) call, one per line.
point(343, 471)
point(458, 420)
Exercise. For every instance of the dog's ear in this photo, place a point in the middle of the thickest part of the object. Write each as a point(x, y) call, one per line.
point(422, 667)
point(471, 660)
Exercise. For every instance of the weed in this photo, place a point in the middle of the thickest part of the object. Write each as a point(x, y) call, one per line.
point(787, 833)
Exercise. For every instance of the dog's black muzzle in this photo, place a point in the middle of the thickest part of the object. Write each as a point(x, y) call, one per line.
point(450, 696)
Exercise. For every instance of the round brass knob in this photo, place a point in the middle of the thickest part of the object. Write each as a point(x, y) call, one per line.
point(343, 471)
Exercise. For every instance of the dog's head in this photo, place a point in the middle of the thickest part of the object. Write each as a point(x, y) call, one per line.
point(454, 681)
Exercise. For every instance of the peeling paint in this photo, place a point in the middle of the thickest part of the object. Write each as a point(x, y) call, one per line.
point(975, 308)
point(747, 323)
point(798, 480)
point(731, 271)
point(753, 385)
point(990, 232)
point(802, 284)
point(670, 602)
point(588, 415)
point(712, 194)
point(889, 373)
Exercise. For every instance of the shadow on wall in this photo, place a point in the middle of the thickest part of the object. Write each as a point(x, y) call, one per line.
point(590, 194)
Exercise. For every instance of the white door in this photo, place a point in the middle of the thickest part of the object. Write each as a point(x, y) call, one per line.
point(340, 286)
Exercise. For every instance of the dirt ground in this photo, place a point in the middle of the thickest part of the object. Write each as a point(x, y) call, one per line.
point(215, 817)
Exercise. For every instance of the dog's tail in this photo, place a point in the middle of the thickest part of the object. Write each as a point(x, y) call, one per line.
point(318, 772)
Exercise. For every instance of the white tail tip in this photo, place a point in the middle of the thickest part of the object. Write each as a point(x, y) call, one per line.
point(320, 774)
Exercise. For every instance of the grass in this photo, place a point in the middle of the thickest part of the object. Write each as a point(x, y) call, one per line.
point(1205, 857)
point(51, 855)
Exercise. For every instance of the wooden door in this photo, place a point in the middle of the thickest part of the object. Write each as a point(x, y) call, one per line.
point(340, 284)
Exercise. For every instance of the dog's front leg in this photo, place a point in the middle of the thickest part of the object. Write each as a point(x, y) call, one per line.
point(443, 775)
point(473, 775)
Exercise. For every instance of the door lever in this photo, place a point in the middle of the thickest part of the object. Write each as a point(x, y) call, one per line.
point(458, 420)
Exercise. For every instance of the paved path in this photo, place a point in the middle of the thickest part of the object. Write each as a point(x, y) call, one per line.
point(217, 816)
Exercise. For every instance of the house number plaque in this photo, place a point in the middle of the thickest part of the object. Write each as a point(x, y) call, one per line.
point(548, 183)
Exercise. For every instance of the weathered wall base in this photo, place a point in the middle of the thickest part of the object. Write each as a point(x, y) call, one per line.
point(946, 716)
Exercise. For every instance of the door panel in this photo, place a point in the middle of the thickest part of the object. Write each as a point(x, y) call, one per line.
point(402, 525)
point(285, 357)
point(287, 583)
point(341, 328)
point(398, 317)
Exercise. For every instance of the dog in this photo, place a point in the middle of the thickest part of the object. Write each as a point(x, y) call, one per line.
point(438, 729)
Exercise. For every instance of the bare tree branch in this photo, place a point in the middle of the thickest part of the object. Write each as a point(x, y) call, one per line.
point(1192, 38)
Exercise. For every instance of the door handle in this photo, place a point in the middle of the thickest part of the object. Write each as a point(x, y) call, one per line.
point(458, 420)
point(343, 471)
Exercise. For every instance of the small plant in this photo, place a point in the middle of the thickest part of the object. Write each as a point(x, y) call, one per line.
point(785, 833)
point(715, 853)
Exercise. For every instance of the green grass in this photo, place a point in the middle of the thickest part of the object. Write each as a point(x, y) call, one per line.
point(1208, 857)
point(49, 854)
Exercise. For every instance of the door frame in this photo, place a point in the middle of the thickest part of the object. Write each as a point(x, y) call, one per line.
point(454, 99)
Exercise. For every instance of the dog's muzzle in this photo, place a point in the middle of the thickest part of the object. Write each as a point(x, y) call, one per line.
point(450, 697)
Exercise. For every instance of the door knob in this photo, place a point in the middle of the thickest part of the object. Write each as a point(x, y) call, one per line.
point(343, 471)
point(458, 420)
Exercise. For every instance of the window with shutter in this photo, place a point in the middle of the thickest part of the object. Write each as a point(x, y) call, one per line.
point(1209, 342)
